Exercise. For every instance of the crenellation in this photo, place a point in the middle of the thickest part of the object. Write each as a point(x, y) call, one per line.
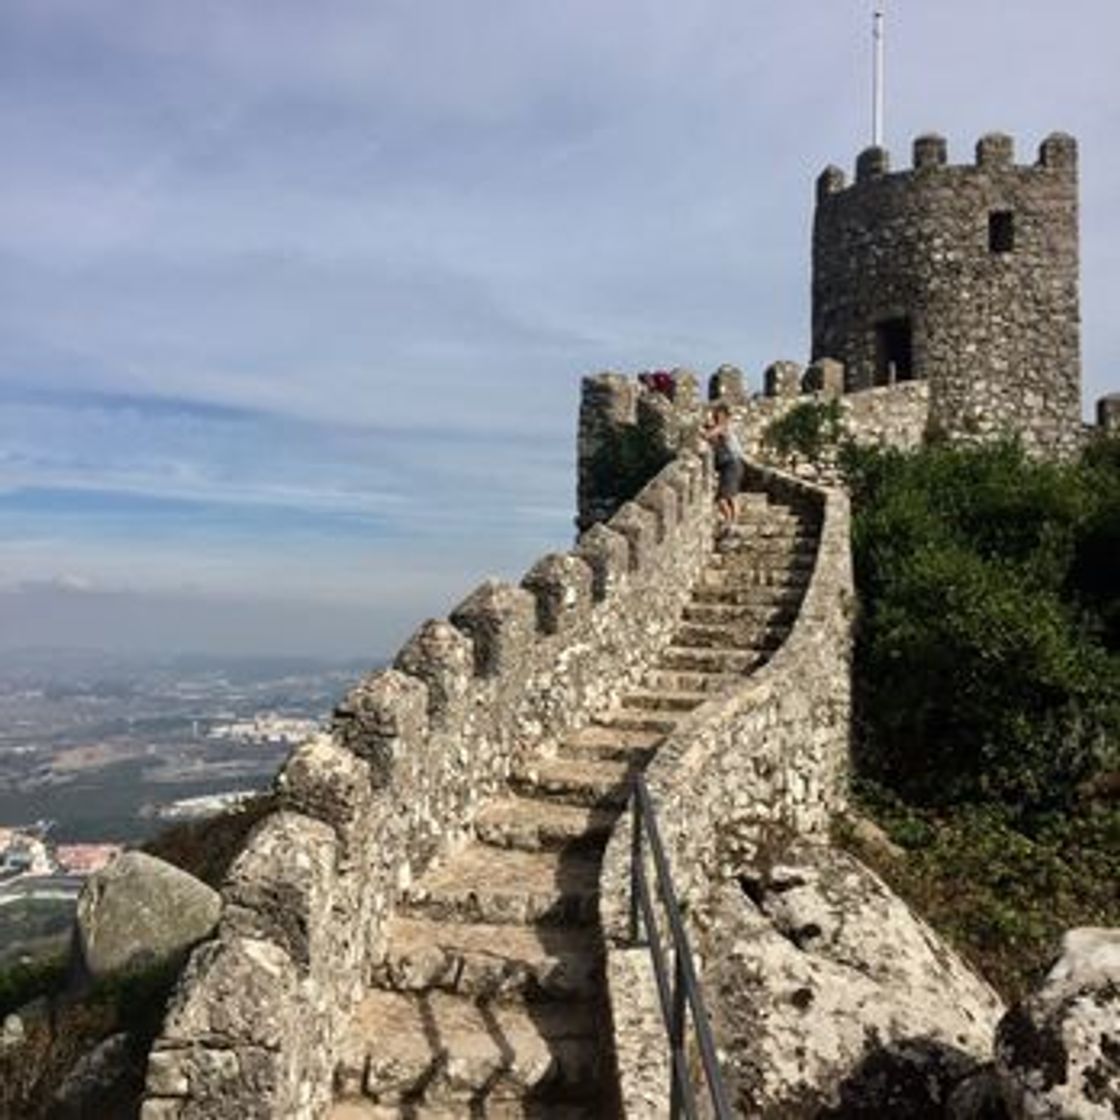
point(658, 421)
point(379, 717)
point(831, 180)
point(995, 150)
point(1058, 152)
point(1108, 414)
point(661, 500)
point(322, 779)
point(639, 526)
point(607, 553)
point(501, 620)
point(561, 585)
point(782, 379)
point(272, 897)
point(442, 656)
point(686, 387)
point(872, 163)
point(930, 151)
point(824, 377)
point(728, 385)
point(675, 483)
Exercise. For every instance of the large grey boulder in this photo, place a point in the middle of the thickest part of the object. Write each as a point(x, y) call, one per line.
point(1058, 1052)
point(140, 912)
point(830, 998)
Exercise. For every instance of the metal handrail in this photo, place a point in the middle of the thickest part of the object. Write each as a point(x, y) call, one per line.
point(683, 994)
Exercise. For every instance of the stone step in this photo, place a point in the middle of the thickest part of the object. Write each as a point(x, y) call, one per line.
point(663, 700)
point(703, 681)
point(634, 719)
point(729, 613)
point(753, 596)
point(532, 824)
point(615, 744)
point(492, 961)
point(712, 659)
point(763, 639)
point(753, 502)
point(445, 1049)
point(576, 781)
point(741, 549)
point(502, 886)
point(532, 1109)
point(777, 577)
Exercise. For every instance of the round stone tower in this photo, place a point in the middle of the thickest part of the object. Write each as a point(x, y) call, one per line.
point(966, 276)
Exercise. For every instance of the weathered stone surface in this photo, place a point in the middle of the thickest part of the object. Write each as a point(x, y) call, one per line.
point(728, 385)
point(502, 621)
point(561, 585)
point(140, 912)
point(782, 379)
point(1058, 1052)
point(101, 1083)
point(328, 782)
point(1108, 413)
point(442, 656)
point(963, 276)
point(824, 376)
point(379, 717)
point(826, 992)
point(280, 887)
point(234, 990)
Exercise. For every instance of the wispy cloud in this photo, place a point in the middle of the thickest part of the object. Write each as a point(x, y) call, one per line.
point(303, 292)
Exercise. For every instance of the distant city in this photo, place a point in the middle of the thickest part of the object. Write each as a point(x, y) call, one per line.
point(99, 752)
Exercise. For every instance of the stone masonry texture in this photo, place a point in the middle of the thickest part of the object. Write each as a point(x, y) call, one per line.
point(966, 279)
point(978, 264)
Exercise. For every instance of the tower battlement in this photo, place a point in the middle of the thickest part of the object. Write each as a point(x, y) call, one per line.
point(965, 275)
point(995, 151)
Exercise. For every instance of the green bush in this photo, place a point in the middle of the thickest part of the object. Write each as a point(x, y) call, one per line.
point(806, 429)
point(1002, 889)
point(982, 673)
point(987, 684)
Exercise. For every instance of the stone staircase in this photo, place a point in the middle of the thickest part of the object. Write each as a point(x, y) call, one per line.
point(490, 1000)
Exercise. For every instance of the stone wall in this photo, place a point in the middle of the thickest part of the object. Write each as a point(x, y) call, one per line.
point(253, 1025)
point(964, 276)
point(749, 769)
point(627, 431)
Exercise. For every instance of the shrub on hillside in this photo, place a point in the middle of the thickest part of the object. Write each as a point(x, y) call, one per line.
point(982, 669)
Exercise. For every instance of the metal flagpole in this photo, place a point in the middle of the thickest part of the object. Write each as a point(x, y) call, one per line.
point(877, 79)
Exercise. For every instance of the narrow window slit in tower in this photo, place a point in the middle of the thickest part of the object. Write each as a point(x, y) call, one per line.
point(894, 351)
point(1001, 231)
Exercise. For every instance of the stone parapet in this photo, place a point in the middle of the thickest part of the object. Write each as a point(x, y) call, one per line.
point(414, 751)
point(763, 761)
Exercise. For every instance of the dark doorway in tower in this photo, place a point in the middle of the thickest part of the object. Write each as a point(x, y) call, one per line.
point(894, 351)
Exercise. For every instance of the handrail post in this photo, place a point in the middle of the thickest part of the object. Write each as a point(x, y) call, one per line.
point(635, 856)
point(676, 1035)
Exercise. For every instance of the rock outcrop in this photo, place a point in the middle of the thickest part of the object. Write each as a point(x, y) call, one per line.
point(831, 998)
point(140, 912)
point(103, 1083)
point(1058, 1052)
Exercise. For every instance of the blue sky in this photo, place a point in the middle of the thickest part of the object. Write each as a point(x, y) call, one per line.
point(295, 299)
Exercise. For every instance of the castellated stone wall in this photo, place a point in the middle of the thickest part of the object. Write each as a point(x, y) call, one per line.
point(748, 770)
point(964, 276)
point(626, 431)
point(253, 1026)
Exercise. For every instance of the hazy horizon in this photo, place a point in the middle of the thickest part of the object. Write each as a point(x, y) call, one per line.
point(296, 300)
